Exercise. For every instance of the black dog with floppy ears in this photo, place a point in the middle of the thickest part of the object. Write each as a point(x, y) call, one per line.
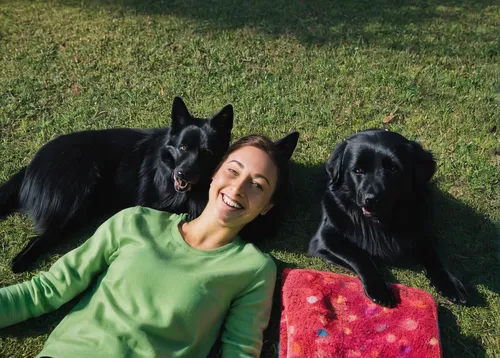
point(376, 208)
point(81, 176)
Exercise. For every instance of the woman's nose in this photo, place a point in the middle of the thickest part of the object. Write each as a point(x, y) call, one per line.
point(239, 186)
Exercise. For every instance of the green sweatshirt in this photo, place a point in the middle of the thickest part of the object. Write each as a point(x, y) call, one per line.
point(153, 294)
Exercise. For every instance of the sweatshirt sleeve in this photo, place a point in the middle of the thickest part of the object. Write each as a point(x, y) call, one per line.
point(68, 276)
point(249, 314)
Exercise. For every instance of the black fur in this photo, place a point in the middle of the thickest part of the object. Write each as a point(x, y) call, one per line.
point(376, 208)
point(81, 176)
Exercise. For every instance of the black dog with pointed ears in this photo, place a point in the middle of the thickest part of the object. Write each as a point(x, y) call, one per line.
point(376, 208)
point(78, 177)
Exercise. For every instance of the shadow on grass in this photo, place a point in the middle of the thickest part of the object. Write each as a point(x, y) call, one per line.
point(471, 245)
point(323, 21)
point(453, 343)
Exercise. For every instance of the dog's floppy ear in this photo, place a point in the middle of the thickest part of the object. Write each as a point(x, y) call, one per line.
point(287, 144)
point(180, 114)
point(334, 164)
point(424, 165)
point(224, 118)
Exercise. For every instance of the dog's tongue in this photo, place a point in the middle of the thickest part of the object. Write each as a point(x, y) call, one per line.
point(366, 211)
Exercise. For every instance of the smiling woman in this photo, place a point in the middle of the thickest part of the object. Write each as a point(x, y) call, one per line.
point(248, 182)
point(190, 280)
point(243, 186)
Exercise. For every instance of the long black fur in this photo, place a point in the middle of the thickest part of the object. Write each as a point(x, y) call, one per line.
point(81, 176)
point(376, 208)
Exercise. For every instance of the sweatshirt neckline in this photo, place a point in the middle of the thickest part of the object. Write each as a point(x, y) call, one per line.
point(180, 240)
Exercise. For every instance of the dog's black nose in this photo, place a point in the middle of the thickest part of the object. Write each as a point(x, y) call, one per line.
point(370, 200)
point(180, 175)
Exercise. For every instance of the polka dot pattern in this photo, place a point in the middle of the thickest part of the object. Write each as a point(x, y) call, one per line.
point(328, 315)
point(312, 299)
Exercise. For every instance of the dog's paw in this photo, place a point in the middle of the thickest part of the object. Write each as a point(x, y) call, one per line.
point(450, 287)
point(380, 293)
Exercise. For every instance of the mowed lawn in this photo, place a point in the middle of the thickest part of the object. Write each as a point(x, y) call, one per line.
point(327, 68)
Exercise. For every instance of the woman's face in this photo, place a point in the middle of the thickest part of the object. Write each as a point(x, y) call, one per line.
point(242, 187)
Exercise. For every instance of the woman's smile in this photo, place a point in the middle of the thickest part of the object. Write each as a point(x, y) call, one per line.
point(233, 204)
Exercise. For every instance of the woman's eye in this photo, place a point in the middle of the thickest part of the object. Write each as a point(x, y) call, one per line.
point(232, 171)
point(183, 147)
point(359, 171)
point(257, 185)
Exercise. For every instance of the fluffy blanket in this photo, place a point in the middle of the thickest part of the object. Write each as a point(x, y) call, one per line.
point(328, 315)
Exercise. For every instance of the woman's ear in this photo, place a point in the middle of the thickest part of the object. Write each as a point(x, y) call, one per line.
point(266, 209)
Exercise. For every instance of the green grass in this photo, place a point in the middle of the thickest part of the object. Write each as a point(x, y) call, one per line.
point(327, 68)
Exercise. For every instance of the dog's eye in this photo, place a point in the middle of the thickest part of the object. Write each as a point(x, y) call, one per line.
point(359, 171)
point(393, 168)
point(183, 147)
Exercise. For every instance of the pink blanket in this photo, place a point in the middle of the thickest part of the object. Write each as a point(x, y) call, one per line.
point(328, 315)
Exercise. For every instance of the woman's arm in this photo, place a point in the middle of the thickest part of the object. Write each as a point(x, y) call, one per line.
point(249, 315)
point(69, 276)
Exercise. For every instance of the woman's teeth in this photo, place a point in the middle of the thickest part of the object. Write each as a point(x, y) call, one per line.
point(231, 203)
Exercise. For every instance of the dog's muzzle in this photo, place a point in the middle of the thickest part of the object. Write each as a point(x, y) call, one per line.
point(182, 186)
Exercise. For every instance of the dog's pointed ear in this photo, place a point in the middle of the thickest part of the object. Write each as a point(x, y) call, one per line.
point(224, 118)
point(334, 163)
point(287, 144)
point(424, 165)
point(180, 113)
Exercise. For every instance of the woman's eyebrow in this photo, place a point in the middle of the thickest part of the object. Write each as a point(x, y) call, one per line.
point(237, 162)
point(256, 175)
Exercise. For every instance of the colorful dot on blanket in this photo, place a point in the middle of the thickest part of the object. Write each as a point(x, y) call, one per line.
point(352, 318)
point(354, 354)
point(410, 324)
point(405, 350)
point(321, 332)
point(433, 341)
point(381, 327)
point(312, 299)
point(296, 347)
point(347, 331)
point(419, 304)
point(391, 338)
point(370, 310)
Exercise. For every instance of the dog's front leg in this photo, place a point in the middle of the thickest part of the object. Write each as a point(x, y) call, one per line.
point(351, 256)
point(441, 279)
